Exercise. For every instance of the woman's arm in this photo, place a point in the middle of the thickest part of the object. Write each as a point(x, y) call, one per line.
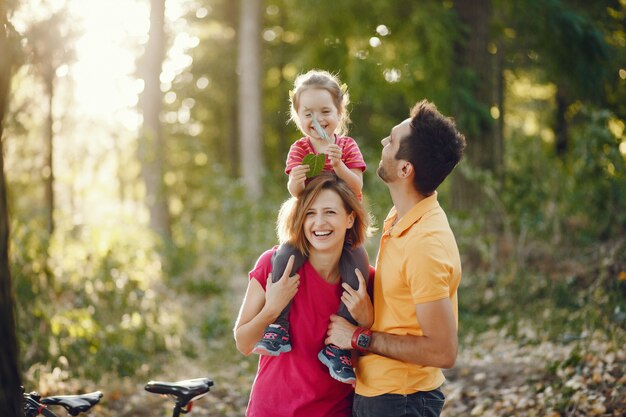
point(260, 308)
point(253, 318)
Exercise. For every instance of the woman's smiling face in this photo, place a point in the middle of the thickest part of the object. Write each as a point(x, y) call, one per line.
point(326, 222)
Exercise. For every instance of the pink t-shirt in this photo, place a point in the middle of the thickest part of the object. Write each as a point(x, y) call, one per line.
point(350, 153)
point(297, 383)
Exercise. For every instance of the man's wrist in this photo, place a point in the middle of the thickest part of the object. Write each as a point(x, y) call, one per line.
point(361, 339)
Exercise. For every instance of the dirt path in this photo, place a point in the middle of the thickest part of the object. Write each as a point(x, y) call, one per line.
point(501, 378)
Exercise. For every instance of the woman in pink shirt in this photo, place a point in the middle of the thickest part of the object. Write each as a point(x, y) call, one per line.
point(318, 222)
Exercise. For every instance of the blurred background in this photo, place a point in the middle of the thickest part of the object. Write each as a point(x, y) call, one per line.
point(144, 144)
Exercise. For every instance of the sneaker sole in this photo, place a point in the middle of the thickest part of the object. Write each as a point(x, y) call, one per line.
point(328, 364)
point(261, 350)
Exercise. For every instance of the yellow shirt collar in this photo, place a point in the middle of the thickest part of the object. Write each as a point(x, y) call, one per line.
point(413, 216)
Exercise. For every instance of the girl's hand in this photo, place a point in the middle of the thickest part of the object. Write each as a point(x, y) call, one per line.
point(358, 302)
point(278, 294)
point(297, 178)
point(334, 154)
point(298, 173)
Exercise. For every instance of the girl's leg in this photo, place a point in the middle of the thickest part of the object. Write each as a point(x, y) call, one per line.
point(352, 258)
point(339, 361)
point(279, 264)
point(276, 339)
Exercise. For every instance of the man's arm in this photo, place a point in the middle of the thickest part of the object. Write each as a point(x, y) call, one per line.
point(436, 347)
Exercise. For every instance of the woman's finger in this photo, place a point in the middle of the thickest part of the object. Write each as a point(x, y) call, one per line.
point(289, 266)
point(362, 283)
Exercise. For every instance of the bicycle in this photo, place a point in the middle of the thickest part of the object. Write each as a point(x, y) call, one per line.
point(35, 404)
point(183, 393)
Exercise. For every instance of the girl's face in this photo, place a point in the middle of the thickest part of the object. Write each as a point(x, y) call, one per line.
point(320, 103)
point(326, 222)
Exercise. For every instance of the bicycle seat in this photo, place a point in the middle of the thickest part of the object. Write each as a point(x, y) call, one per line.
point(184, 391)
point(74, 404)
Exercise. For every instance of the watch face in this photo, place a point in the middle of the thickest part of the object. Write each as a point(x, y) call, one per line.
point(363, 341)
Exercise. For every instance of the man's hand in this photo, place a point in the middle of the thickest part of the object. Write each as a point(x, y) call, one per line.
point(340, 332)
point(358, 302)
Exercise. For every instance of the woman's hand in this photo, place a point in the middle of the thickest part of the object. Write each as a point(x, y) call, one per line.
point(278, 294)
point(358, 302)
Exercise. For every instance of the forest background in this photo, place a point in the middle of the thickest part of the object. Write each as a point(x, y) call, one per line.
point(143, 148)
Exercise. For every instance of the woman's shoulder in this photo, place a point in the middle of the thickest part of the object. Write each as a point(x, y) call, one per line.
point(267, 255)
point(263, 266)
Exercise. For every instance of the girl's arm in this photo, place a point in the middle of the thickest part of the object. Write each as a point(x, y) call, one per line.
point(353, 177)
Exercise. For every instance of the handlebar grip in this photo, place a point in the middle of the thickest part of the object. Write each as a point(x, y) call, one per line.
point(47, 413)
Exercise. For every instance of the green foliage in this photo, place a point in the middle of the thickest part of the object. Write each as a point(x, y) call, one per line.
point(597, 171)
point(94, 298)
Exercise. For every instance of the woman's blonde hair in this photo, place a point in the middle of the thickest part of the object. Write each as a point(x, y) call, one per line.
point(321, 80)
point(290, 224)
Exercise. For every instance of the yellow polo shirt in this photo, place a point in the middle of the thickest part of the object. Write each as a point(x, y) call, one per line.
point(418, 262)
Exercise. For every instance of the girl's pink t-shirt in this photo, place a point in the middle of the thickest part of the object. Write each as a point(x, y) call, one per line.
point(297, 383)
point(350, 154)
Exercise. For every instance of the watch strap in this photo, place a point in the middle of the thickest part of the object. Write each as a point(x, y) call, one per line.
point(355, 337)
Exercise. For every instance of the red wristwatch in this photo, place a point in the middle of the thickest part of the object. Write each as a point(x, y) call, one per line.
point(361, 339)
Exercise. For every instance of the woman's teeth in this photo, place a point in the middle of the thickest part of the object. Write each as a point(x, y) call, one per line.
point(319, 234)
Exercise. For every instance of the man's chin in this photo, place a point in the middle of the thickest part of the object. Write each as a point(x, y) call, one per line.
point(381, 174)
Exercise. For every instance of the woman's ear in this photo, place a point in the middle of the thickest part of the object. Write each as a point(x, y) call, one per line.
point(351, 218)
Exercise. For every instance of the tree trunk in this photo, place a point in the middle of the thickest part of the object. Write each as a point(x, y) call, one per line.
point(474, 118)
point(560, 123)
point(251, 149)
point(10, 379)
point(151, 142)
point(48, 171)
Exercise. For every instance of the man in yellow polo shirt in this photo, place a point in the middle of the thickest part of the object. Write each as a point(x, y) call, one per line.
point(418, 270)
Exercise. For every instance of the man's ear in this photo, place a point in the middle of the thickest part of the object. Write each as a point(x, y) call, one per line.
point(405, 169)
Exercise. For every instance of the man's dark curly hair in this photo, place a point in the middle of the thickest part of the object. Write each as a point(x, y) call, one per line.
point(434, 146)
